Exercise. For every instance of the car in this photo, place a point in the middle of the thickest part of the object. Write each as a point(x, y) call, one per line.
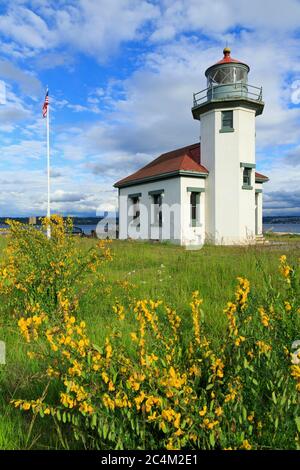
point(77, 231)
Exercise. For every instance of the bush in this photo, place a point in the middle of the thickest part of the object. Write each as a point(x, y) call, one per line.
point(38, 273)
point(170, 387)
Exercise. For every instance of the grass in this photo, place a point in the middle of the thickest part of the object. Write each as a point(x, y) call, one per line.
point(156, 271)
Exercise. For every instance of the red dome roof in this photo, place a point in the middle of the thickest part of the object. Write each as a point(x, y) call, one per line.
point(227, 59)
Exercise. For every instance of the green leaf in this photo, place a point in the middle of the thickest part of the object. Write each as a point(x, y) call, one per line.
point(209, 386)
point(94, 420)
point(212, 439)
point(297, 421)
point(105, 430)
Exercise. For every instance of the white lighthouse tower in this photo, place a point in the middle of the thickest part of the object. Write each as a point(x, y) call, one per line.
point(227, 109)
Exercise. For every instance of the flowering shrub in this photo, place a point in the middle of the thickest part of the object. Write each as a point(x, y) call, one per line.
point(38, 274)
point(171, 387)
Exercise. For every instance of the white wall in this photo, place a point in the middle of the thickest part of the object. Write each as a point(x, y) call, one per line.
point(170, 211)
point(230, 209)
point(259, 186)
point(192, 235)
point(176, 224)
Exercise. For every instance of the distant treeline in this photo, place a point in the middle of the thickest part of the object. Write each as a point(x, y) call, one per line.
point(95, 220)
point(76, 220)
point(281, 219)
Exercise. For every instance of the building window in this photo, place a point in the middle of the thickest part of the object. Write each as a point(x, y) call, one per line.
point(227, 121)
point(135, 208)
point(247, 177)
point(195, 208)
point(157, 203)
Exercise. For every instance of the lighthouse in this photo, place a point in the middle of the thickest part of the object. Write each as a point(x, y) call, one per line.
point(227, 110)
point(208, 191)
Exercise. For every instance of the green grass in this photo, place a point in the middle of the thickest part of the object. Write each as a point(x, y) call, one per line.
point(157, 271)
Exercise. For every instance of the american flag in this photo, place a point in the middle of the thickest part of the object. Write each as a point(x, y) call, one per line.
point(46, 103)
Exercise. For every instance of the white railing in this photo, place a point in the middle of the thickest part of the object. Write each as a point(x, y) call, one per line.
point(228, 91)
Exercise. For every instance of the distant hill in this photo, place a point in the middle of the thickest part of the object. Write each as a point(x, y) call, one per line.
point(281, 220)
point(95, 220)
point(76, 220)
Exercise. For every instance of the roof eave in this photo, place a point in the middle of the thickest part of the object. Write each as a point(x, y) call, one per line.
point(172, 174)
point(261, 180)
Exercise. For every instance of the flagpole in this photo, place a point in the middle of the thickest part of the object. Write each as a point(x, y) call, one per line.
point(48, 173)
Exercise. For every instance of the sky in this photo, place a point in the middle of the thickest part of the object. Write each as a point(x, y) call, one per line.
point(121, 74)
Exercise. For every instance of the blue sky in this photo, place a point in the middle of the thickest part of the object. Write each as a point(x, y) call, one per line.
point(121, 75)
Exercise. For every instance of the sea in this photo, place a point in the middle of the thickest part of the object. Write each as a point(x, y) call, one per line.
point(288, 228)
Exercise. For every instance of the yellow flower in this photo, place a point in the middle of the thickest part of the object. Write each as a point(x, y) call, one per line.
point(264, 348)
point(108, 349)
point(246, 445)
point(265, 319)
point(108, 402)
point(86, 408)
point(31, 354)
point(26, 406)
point(174, 379)
point(287, 306)
point(138, 400)
point(209, 424)
point(295, 371)
point(203, 411)
point(239, 340)
point(217, 368)
point(134, 337)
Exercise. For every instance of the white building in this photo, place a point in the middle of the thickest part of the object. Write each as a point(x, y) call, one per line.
point(208, 191)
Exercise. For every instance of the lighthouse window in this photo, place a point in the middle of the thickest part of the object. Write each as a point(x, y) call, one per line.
point(227, 120)
point(247, 177)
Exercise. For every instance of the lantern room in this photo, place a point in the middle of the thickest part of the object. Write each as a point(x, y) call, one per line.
point(227, 81)
point(228, 77)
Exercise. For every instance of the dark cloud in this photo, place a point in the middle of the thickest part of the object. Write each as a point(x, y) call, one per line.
point(61, 196)
point(293, 157)
point(113, 166)
point(28, 83)
point(282, 200)
point(56, 174)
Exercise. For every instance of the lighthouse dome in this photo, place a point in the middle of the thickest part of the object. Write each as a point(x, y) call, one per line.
point(229, 75)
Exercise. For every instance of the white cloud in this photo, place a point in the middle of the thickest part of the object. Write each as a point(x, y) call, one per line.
point(149, 111)
point(218, 17)
point(95, 27)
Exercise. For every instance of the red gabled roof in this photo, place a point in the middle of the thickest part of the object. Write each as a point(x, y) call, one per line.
point(259, 176)
point(183, 159)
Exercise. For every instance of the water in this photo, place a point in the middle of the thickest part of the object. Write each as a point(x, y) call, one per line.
point(87, 228)
point(290, 228)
